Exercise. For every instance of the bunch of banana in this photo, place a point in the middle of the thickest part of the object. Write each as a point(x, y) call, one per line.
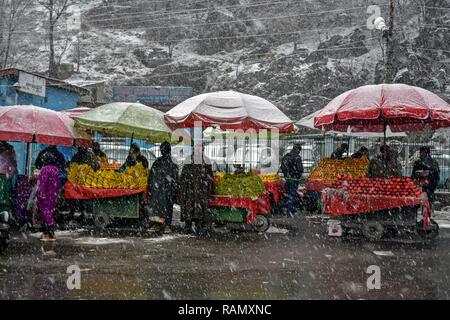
point(133, 178)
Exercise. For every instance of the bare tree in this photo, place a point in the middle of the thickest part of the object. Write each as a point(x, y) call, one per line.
point(55, 9)
point(12, 13)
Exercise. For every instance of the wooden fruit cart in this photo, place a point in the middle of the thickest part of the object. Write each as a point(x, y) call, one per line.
point(109, 205)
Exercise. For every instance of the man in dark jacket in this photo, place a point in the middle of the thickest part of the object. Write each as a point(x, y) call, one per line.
point(57, 158)
point(86, 156)
point(292, 169)
point(162, 187)
point(427, 164)
point(339, 152)
point(134, 157)
point(196, 187)
point(362, 152)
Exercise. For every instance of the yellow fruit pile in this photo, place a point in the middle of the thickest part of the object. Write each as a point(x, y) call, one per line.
point(240, 185)
point(132, 178)
point(328, 169)
point(270, 177)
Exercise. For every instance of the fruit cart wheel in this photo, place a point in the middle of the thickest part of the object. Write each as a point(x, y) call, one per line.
point(261, 223)
point(429, 234)
point(101, 221)
point(372, 230)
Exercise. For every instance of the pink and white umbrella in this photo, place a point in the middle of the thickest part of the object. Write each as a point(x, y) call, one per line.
point(229, 110)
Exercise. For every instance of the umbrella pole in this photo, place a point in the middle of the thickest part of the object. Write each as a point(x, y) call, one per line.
point(28, 159)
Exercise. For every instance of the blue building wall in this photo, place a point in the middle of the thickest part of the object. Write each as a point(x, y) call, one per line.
point(56, 99)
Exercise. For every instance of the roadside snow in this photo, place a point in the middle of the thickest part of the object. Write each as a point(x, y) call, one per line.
point(167, 238)
point(100, 241)
point(273, 229)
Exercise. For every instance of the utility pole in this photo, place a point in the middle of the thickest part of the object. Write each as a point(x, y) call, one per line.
point(388, 36)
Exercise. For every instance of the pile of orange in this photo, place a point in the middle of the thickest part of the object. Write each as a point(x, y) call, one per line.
point(328, 169)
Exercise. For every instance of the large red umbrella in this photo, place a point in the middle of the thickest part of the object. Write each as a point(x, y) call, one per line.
point(374, 107)
point(229, 110)
point(33, 124)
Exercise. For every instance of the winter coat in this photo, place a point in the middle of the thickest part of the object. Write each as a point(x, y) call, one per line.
point(384, 168)
point(196, 187)
point(86, 157)
point(292, 166)
point(434, 172)
point(8, 163)
point(130, 162)
point(162, 186)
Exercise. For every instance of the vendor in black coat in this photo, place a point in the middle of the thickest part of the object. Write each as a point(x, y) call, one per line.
point(162, 186)
point(427, 164)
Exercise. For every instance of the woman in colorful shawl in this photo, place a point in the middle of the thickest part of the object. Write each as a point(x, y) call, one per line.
point(47, 196)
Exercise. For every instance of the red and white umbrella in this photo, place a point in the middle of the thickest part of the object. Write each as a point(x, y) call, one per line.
point(28, 123)
point(229, 110)
point(373, 108)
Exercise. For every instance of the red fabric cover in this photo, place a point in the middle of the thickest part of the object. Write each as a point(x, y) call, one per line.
point(76, 191)
point(316, 185)
point(40, 125)
point(341, 202)
point(261, 205)
point(276, 188)
point(403, 107)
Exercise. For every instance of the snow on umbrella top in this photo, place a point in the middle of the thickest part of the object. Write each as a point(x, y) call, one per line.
point(230, 110)
point(126, 120)
point(28, 123)
point(373, 107)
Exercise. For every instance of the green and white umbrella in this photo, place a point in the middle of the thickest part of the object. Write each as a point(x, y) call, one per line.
point(124, 119)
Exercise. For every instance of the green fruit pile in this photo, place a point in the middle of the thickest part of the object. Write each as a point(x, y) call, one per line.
point(240, 185)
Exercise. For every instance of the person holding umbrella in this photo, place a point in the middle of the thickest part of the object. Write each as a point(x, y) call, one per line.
point(162, 187)
point(428, 167)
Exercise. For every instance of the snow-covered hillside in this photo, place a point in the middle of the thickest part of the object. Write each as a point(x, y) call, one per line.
point(298, 54)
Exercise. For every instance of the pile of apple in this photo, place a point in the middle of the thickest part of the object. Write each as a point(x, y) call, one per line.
point(392, 187)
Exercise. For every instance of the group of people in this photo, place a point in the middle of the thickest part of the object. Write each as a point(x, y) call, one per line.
point(192, 188)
